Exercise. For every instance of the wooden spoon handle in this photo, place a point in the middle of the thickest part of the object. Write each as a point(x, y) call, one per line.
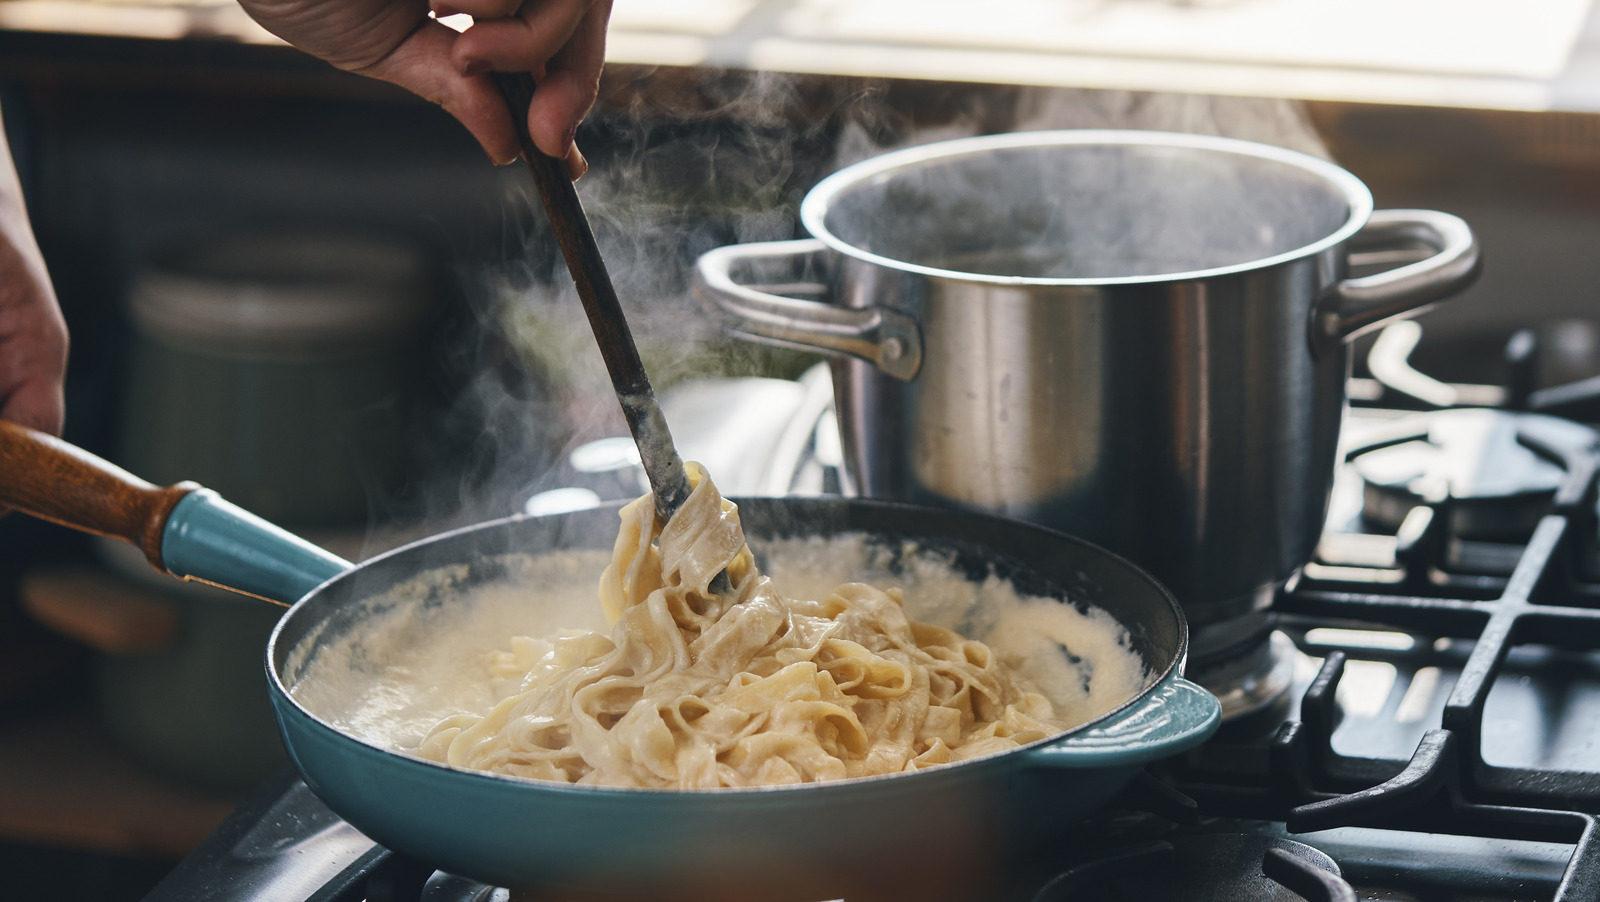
point(50, 479)
point(659, 457)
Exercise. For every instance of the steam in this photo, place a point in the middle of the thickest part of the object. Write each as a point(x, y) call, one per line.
point(1261, 119)
point(682, 162)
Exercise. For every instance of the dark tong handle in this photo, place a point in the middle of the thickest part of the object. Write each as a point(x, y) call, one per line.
point(662, 465)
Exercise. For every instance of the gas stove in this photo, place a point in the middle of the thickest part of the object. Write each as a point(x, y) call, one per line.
point(1422, 721)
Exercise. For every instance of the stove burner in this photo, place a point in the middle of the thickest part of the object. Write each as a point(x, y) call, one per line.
point(1495, 472)
point(442, 887)
point(1205, 867)
point(1243, 662)
point(1253, 679)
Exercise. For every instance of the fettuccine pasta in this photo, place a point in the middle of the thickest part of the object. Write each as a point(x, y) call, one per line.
point(696, 689)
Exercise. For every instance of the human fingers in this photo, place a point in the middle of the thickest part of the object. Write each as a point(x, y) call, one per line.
point(33, 361)
point(350, 34)
point(422, 64)
point(33, 346)
point(39, 404)
point(576, 164)
point(478, 9)
point(559, 105)
point(570, 86)
point(523, 42)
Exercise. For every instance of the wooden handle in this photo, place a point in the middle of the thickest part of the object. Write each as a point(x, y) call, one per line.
point(657, 454)
point(50, 479)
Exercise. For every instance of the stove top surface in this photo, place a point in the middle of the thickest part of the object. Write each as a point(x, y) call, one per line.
point(1438, 740)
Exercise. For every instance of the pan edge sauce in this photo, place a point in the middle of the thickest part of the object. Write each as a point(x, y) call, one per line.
point(409, 657)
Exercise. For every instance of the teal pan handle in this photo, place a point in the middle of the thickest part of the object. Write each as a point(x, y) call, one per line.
point(1174, 716)
point(214, 541)
point(182, 529)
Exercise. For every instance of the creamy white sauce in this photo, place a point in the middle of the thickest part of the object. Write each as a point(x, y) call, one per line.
point(403, 670)
point(408, 667)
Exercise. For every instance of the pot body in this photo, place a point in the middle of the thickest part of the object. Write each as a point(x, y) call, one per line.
point(1133, 337)
point(1188, 425)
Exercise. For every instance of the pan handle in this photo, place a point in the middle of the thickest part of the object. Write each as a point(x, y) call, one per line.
point(1177, 715)
point(209, 540)
point(183, 529)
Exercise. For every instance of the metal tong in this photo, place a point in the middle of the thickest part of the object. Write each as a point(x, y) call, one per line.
point(662, 465)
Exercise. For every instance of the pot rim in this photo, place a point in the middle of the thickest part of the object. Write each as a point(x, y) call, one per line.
point(814, 208)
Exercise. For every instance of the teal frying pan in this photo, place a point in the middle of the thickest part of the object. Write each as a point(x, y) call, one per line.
point(946, 832)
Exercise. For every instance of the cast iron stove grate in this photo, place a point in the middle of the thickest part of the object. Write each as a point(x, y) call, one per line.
point(1536, 626)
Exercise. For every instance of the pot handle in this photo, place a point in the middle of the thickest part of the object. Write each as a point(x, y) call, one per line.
point(183, 529)
point(882, 336)
point(1357, 306)
point(1176, 716)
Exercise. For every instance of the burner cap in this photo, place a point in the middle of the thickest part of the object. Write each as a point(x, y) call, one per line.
point(443, 887)
point(1199, 867)
point(1497, 485)
point(1247, 678)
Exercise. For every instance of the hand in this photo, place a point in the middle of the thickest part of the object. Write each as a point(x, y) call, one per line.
point(561, 42)
point(33, 336)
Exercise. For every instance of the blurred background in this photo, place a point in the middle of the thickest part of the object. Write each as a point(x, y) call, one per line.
point(311, 292)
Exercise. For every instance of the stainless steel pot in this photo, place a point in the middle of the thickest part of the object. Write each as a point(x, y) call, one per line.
point(1134, 337)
